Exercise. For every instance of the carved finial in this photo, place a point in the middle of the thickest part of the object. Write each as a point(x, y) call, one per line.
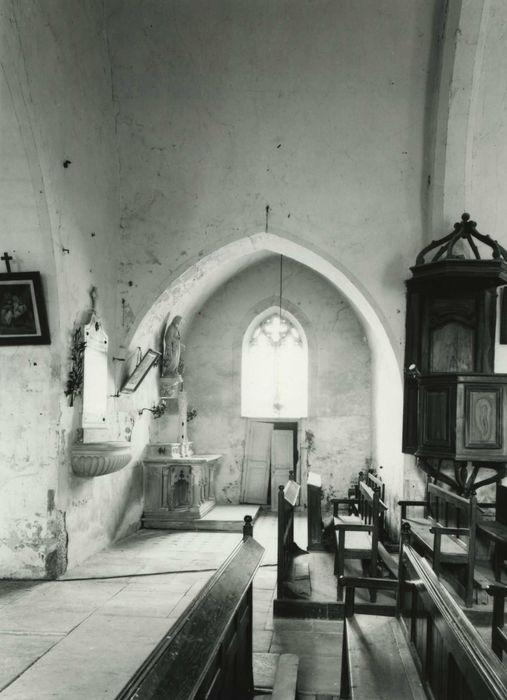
point(248, 527)
point(465, 231)
point(405, 532)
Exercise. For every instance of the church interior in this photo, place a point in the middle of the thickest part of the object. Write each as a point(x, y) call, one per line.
point(253, 349)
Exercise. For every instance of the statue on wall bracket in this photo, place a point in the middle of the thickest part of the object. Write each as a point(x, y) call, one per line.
point(171, 379)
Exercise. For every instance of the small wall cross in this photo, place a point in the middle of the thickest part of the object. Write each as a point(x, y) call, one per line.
point(7, 260)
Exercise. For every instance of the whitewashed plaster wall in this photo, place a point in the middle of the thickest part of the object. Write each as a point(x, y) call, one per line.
point(339, 375)
point(25, 372)
point(56, 105)
point(470, 134)
point(487, 168)
point(319, 109)
point(316, 109)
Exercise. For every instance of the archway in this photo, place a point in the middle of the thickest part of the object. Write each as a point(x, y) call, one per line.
point(185, 293)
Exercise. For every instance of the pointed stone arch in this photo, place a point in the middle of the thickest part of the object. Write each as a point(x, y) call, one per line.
point(185, 293)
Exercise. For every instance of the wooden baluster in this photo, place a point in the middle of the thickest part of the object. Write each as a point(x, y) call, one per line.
point(404, 541)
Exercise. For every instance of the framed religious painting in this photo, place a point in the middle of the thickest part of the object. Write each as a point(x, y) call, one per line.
point(149, 360)
point(23, 319)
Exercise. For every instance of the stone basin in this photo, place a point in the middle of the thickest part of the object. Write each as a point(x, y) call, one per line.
point(99, 458)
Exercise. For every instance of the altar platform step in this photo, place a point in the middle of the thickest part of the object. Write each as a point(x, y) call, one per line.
point(219, 519)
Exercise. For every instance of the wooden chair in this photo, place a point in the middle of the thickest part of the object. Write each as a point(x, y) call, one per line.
point(446, 532)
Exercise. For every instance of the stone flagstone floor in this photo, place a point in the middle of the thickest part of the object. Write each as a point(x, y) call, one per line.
point(50, 632)
point(78, 640)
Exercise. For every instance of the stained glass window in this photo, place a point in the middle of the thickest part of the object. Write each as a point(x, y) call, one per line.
point(274, 368)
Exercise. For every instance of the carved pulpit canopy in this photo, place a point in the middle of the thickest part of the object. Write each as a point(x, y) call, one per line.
point(466, 231)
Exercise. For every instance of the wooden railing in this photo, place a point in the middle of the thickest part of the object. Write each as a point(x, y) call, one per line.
point(208, 653)
point(453, 660)
point(447, 532)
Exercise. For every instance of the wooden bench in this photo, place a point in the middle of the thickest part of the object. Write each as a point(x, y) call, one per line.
point(376, 660)
point(452, 659)
point(446, 532)
point(357, 536)
point(286, 677)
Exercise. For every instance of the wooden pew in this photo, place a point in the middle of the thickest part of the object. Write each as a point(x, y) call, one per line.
point(208, 652)
point(451, 657)
point(446, 532)
point(454, 658)
point(357, 536)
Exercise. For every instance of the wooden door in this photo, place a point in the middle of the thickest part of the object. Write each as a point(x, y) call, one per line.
point(282, 461)
point(257, 462)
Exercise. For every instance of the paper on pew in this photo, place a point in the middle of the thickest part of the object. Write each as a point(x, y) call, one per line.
point(291, 492)
point(314, 479)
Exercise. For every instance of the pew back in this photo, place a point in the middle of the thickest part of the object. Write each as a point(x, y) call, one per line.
point(208, 653)
point(446, 532)
point(452, 658)
point(451, 510)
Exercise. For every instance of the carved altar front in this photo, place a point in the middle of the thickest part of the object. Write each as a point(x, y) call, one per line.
point(177, 488)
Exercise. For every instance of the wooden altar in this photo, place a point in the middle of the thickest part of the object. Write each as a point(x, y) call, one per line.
point(177, 488)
